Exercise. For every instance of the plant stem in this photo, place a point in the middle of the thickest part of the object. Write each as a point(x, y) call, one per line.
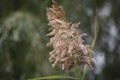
point(78, 71)
point(92, 46)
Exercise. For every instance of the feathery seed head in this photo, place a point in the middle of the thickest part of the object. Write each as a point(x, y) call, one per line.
point(66, 40)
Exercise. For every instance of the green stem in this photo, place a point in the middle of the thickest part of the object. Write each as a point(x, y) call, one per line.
point(78, 71)
point(92, 46)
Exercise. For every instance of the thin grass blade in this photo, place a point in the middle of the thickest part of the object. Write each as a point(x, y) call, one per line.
point(55, 77)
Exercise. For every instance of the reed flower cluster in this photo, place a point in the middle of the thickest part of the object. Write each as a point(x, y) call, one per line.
point(66, 40)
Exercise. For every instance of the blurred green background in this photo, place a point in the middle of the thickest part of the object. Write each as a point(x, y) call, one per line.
point(23, 26)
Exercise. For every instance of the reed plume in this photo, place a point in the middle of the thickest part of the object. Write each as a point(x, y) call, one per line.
point(66, 40)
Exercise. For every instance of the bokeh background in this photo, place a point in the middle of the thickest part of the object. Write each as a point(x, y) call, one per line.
point(23, 26)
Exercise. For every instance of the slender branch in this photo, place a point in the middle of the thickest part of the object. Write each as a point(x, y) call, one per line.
point(92, 46)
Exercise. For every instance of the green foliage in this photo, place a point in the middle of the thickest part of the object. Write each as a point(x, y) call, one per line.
point(22, 44)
